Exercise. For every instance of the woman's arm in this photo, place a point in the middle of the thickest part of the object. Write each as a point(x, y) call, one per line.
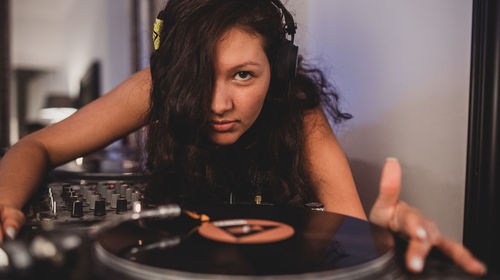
point(327, 164)
point(96, 125)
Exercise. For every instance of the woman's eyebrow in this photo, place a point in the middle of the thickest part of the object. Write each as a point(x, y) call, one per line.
point(242, 65)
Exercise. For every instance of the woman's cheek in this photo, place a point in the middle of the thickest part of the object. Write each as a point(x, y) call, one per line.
point(257, 102)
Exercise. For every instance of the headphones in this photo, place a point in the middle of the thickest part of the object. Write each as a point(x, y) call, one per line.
point(287, 54)
point(285, 67)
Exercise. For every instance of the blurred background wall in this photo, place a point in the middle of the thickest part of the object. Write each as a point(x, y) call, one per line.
point(55, 42)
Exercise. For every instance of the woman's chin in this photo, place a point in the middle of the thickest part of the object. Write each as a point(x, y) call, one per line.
point(224, 139)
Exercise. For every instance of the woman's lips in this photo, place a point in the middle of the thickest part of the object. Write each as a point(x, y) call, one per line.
point(222, 126)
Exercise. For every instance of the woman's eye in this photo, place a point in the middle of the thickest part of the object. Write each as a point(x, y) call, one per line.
point(243, 76)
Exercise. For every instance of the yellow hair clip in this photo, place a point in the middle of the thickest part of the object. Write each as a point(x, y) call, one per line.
point(157, 27)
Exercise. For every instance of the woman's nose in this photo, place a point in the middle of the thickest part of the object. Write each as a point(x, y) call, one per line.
point(221, 100)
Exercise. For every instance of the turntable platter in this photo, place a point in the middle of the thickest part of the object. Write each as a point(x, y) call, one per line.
point(313, 244)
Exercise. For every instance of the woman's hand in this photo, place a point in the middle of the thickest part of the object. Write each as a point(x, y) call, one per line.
point(423, 234)
point(11, 220)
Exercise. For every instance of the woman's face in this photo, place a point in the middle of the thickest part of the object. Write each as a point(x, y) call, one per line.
point(242, 76)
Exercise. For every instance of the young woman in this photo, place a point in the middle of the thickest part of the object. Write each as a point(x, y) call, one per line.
point(226, 117)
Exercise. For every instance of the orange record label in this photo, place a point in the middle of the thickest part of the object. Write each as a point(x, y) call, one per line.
point(246, 231)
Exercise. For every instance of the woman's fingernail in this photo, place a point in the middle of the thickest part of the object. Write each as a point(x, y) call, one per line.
point(416, 264)
point(421, 233)
point(11, 232)
point(391, 158)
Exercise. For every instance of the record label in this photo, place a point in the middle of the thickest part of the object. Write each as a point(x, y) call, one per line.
point(246, 231)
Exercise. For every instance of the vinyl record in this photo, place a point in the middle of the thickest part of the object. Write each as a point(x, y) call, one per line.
point(243, 242)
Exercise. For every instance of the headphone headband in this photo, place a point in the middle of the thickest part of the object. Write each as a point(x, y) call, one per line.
point(290, 26)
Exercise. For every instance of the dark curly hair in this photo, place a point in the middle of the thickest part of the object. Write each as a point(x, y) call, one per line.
point(183, 164)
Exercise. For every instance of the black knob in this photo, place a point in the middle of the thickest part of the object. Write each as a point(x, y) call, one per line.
point(121, 205)
point(70, 200)
point(100, 208)
point(68, 193)
point(65, 190)
point(67, 198)
point(77, 210)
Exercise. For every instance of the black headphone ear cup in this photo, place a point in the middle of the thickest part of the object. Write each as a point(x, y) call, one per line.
point(292, 57)
point(285, 65)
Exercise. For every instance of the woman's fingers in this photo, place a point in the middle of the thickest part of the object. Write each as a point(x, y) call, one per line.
point(11, 221)
point(418, 250)
point(383, 209)
point(423, 235)
point(390, 183)
point(416, 253)
point(460, 255)
point(408, 221)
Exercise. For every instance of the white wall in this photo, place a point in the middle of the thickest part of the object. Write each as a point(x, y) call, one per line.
point(37, 32)
point(98, 30)
point(63, 38)
point(402, 68)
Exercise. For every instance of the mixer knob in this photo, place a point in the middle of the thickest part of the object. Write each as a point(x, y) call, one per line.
point(128, 194)
point(89, 193)
point(123, 190)
point(85, 192)
point(101, 188)
point(71, 199)
point(77, 210)
point(65, 189)
point(100, 208)
point(92, 199)
point(109, 192)
point(114, 198)
point(121, 205)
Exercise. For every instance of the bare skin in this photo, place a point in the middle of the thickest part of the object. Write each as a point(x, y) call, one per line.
point(23, 166)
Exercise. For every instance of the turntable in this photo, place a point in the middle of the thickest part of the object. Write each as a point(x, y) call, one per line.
point(247, 242)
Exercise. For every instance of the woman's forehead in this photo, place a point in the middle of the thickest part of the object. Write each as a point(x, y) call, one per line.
point(237, 47)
